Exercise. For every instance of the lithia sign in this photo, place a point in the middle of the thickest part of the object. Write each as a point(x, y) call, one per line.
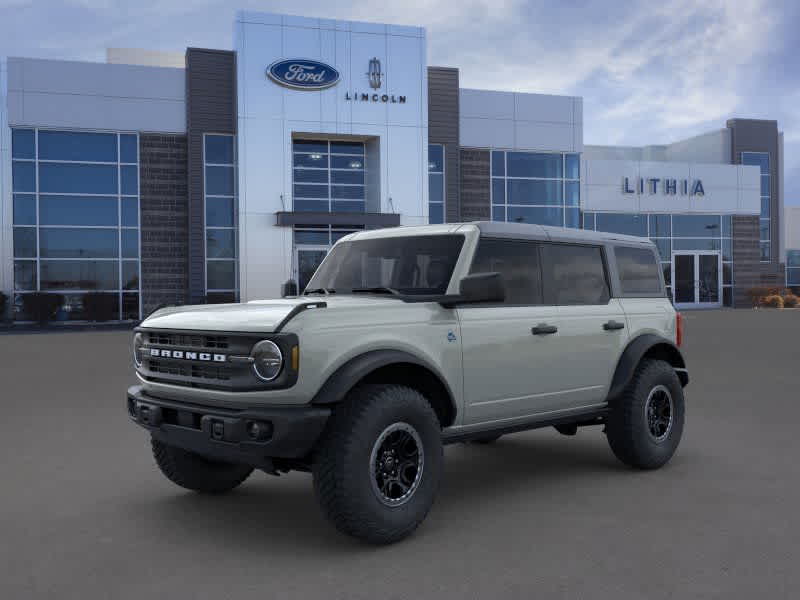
point(667, 186)
point(306, 74)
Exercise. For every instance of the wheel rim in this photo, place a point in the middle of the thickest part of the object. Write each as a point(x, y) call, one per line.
point(659, 412)
point(396, 463)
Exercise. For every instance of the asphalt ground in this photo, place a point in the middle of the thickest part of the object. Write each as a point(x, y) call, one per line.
point(84, 512)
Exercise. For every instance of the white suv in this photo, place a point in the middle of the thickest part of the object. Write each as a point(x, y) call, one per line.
point(407, 339)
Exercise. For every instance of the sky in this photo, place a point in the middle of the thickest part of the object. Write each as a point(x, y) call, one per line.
point(649, 72)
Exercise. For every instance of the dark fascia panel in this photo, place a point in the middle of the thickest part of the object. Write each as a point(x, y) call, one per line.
point(368, 220)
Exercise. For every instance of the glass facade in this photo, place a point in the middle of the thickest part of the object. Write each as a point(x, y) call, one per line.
point(674, 232)
point(328, 176)
point(219, 159)
point(536, 187)
point(435, 183)
point(761, 160)
point(76, 219)
point(311, 245)
point(793, 268)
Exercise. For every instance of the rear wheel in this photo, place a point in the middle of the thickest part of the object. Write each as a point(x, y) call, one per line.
point(645, 423)
point(378, 465)
point(195, 472)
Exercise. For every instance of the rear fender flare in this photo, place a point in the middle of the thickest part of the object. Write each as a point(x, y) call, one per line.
point(647, 345)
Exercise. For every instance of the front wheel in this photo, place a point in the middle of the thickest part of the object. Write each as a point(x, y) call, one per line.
point(645, 423)
point(195, 472)
point(378, 465)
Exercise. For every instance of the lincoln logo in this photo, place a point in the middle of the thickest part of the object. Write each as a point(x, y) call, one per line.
point(301, 74)
point(185, 355)
point(374, 74)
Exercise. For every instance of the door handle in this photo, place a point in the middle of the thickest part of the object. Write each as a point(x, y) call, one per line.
point(612, 325)
point(544, 329)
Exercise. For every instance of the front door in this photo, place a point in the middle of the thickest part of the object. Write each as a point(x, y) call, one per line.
point(697, 279)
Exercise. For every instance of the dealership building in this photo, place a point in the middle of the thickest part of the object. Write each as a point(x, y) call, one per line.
point(217, 175)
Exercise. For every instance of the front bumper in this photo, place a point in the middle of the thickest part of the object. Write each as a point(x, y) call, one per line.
point(228, 434)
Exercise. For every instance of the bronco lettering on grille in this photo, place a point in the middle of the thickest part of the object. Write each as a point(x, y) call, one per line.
point(180, 354)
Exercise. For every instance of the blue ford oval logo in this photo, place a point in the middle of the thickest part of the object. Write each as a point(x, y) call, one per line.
point(303, 74)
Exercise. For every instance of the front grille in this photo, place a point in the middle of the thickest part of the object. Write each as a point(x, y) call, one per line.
point(193, 370)
point(183, 340)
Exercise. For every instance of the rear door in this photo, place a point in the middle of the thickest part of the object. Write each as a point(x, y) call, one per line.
point(592, 329)
point(510, 371)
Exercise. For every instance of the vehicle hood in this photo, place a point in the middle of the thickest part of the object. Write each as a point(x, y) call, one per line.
point(258, 316)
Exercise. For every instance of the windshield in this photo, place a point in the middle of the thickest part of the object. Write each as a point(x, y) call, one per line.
point(402, 265)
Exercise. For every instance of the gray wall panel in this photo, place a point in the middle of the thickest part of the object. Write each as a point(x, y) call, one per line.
point(210, 108)
point(164, 220)
point(475, 182)
point(443, 128)
point(754, 135)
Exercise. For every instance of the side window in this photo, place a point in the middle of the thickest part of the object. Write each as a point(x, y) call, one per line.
point(638, 271)
point(574, 274)
point(517, 262)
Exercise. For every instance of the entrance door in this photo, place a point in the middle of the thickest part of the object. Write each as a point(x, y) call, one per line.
point(697, 279)
point(308, 259)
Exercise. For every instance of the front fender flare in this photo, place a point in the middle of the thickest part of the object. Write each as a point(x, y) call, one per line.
point(349, 374)
point(659, 347)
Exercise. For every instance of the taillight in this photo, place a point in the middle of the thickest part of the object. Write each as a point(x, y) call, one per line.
point(678, 329)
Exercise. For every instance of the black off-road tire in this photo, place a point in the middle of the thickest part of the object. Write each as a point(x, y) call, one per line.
point(346, 472)
point(195, 472)
point(629, 432)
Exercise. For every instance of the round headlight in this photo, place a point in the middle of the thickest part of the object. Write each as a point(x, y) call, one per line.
point(267, 360)
point(138, 342)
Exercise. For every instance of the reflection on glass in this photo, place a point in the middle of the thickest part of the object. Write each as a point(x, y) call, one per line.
point(79, 275)
point(221, 274)
point(130, 275)
point(684, 278)
point(220, 243)
point(307, 263)
point(532, 164)
point(708, 286)
point(57, 242)
point(78, 146)
point(77, 210)
point(531, 191)
point(66, 178)
point(219, 149)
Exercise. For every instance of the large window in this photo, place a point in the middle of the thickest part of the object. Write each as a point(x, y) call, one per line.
point(219, 157)
point(761, 160)
point(674, 232)
point(517, 262)
point(311, 245)
point(436, 183)
point(638, 271)
point(419, 265)
point(533, 187)
point(76, 219)
point(328, 176)
point(793, 268)
point(573, 274)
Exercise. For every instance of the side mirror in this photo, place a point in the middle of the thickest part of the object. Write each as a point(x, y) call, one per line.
point(289, 288)
point(482, 287)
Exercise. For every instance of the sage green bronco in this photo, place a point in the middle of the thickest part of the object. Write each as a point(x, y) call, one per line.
point(407, 339)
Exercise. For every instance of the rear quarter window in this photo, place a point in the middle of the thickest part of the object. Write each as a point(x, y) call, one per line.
point(638, 271)
point(574, 274)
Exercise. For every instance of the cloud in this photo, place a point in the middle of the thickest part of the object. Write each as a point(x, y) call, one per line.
point(649, 72)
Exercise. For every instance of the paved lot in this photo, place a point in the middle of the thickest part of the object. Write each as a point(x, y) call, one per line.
point(85, 514)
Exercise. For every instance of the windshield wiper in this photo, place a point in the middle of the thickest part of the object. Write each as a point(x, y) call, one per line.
point(322, 290)
point(376, 290)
